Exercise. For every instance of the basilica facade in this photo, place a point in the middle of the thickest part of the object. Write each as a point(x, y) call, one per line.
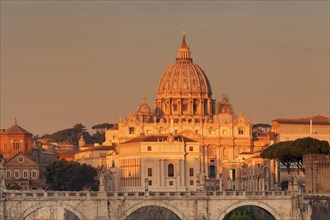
point(186, 140)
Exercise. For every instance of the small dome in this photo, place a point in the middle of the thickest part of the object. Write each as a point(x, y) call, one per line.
point(184, 78)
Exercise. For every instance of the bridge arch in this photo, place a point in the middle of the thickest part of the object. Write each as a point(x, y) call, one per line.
point(153, 203)
point(45, 204)
point(249, 203)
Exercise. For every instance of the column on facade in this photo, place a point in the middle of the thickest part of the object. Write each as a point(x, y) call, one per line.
point(184, 174)
point(164, 173)
point(218, 159)
point(203, 159)
point(202, 107)
point(220, 183)
point(209, 106)
point(180, 106)
point(179, 174)
point(256, 184)
point(160, 173)
point(191, 107)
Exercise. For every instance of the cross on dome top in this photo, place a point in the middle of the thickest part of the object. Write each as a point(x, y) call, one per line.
point(184, 52)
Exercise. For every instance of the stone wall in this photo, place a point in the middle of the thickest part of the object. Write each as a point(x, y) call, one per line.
point(119, 205)
point(317, 173)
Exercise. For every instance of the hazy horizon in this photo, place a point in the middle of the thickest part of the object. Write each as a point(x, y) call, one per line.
point(72, 62)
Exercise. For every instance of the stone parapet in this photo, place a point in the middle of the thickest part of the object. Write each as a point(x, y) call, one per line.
point(119, 205)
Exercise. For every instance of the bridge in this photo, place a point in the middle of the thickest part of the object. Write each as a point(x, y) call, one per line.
point(85, 205)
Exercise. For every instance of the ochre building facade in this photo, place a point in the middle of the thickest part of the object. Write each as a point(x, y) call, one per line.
point(184, 115)
point(14, 140)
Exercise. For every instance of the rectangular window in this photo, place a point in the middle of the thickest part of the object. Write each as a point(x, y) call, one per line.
point(191, 171)
point(149, 148)
point(150, 182)
point(16, 173)
point(34, 174)
point(131, 130)
point(149, 171)
point(170, 183)
point(240, 131)
point(8, 173)
point(191, 148)
point(191, 182)
point(25, 174)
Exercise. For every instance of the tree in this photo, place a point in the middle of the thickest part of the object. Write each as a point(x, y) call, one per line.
point(103, 126)
point(98, 137)
point(71, 176)
point(70, 135)
point(240, 213)
point(291, 152)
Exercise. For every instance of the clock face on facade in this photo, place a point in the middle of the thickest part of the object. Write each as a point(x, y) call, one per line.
point(20, 159)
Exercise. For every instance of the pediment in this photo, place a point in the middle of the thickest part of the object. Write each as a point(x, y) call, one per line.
point(241, 120)
point(16, 160)
point(131, 120)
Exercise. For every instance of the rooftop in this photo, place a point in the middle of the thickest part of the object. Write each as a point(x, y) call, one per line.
point(158, 138)
point(318, 119)
point(15, 129)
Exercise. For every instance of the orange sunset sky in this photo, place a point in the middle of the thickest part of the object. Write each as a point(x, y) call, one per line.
point(68, 62)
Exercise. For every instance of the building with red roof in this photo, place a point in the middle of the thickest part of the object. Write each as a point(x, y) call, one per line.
point(14, 140)
point(291, 129)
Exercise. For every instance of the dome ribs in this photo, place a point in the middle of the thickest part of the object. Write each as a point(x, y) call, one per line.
point(184, 89)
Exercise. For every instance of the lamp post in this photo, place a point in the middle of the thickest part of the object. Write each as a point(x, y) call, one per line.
point(146, 183)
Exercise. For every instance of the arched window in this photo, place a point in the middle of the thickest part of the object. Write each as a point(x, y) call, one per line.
point(170, 170)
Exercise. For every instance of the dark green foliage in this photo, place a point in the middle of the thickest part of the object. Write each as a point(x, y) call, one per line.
point(291, 152)
point(70, 135)
point(71, 176)
point(239, 214)
point(102, 126)
point(98, 137)
point(249, 212)
point(152, 212)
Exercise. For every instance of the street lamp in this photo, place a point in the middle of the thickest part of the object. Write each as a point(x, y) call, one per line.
point(146, 183)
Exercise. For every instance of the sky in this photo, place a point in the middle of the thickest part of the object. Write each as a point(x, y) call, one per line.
point(90, 62)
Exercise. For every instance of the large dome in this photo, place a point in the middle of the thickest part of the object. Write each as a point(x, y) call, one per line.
point(184, 78)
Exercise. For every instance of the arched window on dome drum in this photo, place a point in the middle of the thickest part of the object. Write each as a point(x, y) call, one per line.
point(170, 170)
point(175, 107)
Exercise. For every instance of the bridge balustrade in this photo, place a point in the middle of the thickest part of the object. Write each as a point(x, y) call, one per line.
point(94, 195)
